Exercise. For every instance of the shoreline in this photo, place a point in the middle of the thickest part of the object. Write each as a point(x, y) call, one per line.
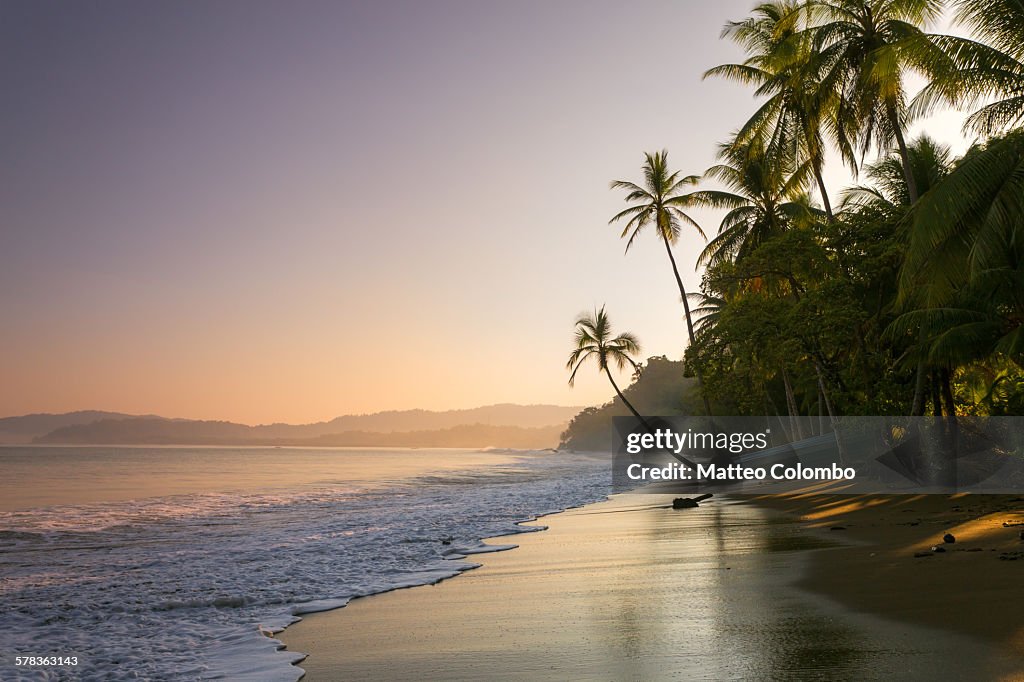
point(586, 587)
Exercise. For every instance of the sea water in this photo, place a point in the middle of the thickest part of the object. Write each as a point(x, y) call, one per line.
point(181, 563)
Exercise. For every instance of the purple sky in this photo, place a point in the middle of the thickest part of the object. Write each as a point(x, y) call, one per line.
point(288, 211)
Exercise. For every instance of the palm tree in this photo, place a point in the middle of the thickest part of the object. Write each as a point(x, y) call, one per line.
point(963, 263)
point(962, 270)
point(868, 47)
point(594, 340)
point(888, 192)
point(989, 69)
point(661, 202)
point(764, 199)
point(888, 198)
point(785, 66)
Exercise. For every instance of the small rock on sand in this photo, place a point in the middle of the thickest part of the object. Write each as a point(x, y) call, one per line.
point(949, 538)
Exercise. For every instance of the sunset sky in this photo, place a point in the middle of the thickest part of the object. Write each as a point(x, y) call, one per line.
point(289, 211)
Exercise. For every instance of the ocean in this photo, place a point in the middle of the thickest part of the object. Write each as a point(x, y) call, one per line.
point(166, 563)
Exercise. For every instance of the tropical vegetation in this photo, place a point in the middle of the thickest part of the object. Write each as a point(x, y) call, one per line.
point(906, 296)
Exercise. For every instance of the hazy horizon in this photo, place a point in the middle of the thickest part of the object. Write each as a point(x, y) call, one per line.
point(262, 212)
point(340, 415)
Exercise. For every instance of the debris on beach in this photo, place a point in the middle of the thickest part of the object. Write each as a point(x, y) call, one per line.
point(949, 538)
point(689, 502)
point(938, 549)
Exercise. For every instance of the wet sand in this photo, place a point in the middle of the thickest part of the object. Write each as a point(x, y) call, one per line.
point(624, 589)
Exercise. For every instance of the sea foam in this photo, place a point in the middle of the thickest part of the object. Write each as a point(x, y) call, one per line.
point(195, 586)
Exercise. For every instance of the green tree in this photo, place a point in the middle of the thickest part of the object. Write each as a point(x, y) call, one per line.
point(962, 278)
point(661, 202)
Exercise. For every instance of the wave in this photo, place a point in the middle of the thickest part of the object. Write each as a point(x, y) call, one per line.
point(196, 586)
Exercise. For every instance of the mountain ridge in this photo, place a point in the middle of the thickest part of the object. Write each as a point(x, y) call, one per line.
point(98, 427)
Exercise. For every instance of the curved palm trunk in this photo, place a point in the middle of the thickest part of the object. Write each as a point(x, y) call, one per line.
point(824, 196)
point(817, 162)
point(625, 402)
point(689, 321)
point(908, 174)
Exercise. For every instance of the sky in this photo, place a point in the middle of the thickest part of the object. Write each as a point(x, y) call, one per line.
point(269, 211)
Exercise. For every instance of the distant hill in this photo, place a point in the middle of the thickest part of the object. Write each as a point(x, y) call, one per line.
point(661, 390)
point(504, 425)
point(503, 414)
point(23, 429)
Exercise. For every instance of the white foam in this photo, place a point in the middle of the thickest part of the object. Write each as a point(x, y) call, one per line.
point(195, 586)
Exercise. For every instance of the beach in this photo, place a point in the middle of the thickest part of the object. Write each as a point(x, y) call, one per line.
point(753, 588)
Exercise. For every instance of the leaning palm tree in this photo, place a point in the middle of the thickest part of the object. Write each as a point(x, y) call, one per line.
point(594, 340)
point(661, 202)
point(870, 46)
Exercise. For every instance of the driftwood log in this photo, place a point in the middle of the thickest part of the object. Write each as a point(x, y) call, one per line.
point(689, 502)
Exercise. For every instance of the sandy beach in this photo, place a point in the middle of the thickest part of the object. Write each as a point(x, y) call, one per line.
point(757, 588)
point(973, 585)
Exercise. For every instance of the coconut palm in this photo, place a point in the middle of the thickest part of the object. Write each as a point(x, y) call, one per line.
point(661, 202)
point(869, 46)
point(961, 277)
point(887, 198)
point(708, 311)
point(594, 341)
point(964, 252)
point(763, 199)
point(785, 66)
point(989, 69)
point(888, 192)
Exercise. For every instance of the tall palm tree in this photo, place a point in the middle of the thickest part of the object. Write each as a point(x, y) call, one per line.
point(869, 46)
point(962, 270)
point(763, 198)
point(661, 202)
point(785, 66)
point(594, 340)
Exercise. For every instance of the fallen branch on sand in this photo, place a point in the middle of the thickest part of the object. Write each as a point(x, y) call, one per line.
point(689, 502)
